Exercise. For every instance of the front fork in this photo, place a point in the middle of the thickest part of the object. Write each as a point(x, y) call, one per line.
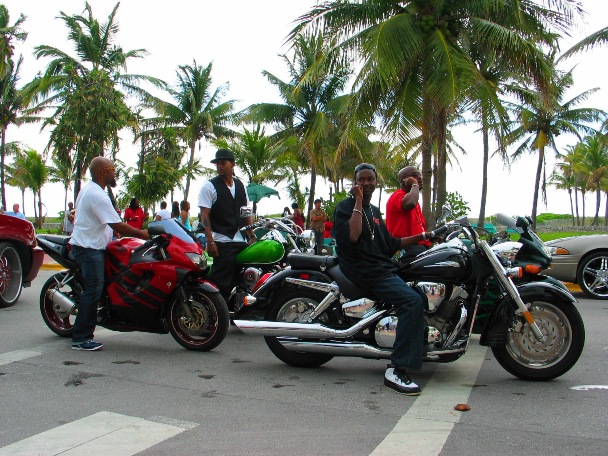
point(511, 289)
point(183, 299)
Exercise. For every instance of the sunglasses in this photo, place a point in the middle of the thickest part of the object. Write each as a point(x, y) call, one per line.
point(111, 168)
point(365, 166)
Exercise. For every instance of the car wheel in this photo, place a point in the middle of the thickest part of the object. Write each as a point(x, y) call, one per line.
point(11, 275)
point(592, 275)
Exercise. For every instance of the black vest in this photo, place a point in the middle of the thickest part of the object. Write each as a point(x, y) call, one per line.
point(225, 212)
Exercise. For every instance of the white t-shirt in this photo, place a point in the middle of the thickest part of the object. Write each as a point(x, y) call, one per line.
point(207, 196)
point(165, 214)
point(94, 211)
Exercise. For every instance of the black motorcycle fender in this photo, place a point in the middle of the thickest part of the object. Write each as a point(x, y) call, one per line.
point(495, 333)
point(277, 281)
point(206, 286)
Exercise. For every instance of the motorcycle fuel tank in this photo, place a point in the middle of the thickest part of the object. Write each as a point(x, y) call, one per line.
point(443, 264)
point(119, 252)
point(267, 251)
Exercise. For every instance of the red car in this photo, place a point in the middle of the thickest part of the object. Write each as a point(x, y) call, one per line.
point(20, 258)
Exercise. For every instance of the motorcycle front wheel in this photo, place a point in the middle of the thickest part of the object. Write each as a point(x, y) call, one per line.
point(206, 326)
point(526, 357)
point(60, 321)
point(294, 306)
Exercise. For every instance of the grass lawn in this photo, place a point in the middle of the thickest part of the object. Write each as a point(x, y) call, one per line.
point(549, 236)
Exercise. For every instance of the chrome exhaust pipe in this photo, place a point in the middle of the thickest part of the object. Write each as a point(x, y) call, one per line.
point(61, 301)
point(285, 329)
point(338, 348)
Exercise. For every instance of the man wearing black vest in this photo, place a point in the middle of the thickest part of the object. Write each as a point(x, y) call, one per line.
point(220, 200)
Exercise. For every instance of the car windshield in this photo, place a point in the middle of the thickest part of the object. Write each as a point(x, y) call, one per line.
point(175, 229)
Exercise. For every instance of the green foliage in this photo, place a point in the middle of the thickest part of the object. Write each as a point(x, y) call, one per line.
point(330, 206)
point(549, 216)
point(549, 236)
point(458, 205)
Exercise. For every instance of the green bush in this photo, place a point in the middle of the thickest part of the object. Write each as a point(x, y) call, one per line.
point(544, 217)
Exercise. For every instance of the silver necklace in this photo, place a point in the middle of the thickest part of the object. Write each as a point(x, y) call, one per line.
point(370, 226)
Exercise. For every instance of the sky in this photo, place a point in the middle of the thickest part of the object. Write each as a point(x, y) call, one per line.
point(244, 37)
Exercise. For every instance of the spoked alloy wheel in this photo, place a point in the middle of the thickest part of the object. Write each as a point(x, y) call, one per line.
point(526, 357)
point(208, 324)
point(58, 320)
point(295, 306)
point(592, 275)
point(11, 275)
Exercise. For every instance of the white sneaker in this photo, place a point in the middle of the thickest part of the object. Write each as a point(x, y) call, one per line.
point(396, 379)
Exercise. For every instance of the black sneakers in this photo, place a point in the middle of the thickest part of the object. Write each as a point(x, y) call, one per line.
point(396, 379)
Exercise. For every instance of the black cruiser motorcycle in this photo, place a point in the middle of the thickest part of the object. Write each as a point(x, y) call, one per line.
point(533, 328)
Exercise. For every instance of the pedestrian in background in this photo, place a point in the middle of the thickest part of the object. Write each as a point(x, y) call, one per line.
point(164, 213)
point(317, 219)
point(134, 214)
point(68, 220)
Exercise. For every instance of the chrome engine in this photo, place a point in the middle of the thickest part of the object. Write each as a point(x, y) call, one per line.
point(444, 317)
point(250, 277)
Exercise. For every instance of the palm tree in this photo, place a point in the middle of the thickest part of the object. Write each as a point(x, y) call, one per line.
point(8, 34)
point(416, 70)
point(541, 117)
point(29, 171)
point(12, 111)
point(198, 111)
point(563, 178)
point(312, 100)
point(91, 85)
point(594, 165)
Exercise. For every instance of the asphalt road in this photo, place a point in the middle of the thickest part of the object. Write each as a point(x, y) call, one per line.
point(145, 394)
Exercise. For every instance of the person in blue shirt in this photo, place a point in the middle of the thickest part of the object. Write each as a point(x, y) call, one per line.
point(15, 212)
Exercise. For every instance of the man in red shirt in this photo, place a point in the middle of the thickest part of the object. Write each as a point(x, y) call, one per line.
point(404, 216)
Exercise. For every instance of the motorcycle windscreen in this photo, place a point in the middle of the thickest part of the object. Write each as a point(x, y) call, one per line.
point(267, 251)
point(175, 229)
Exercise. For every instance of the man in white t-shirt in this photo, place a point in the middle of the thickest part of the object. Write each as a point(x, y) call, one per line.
point(95, 221)
point(164, 213)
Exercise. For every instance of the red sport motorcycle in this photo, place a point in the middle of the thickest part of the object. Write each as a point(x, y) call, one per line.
point(155, 286)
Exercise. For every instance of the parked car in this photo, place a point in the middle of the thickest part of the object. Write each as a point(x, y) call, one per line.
point(20, 258)
point(582, 260)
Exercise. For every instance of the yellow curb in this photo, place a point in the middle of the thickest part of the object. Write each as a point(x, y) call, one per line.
point(572, 286)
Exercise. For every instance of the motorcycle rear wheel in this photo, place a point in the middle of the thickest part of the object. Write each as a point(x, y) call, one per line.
point(209, 325)
point(59, 321)
point(293, 306)
point(529, 359)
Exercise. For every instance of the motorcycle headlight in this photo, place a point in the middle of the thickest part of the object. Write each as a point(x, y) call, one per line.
point(308, 236)
point(197, 259)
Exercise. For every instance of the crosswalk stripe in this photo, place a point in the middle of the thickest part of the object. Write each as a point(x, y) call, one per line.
point(426, 426)
point(100, 434)
point(17, 355)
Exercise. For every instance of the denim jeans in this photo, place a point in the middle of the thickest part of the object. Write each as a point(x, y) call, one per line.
point(92, 263)
point(408, 347)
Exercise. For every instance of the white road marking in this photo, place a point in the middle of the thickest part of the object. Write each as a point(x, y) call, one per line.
point(589, 387)
point(100, 434)
point(426, 426)
point(60, 342)
point(17, 355)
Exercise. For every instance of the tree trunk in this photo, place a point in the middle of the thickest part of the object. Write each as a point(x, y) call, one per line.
point(2, 177)
point(606, 211)
point(583, 204)
point(442, 161)
point(539, 170)
point(190, 166)
point(578, 221)
point(598, 199)
point(427, 157)
point(484, 173)
point(571, 206)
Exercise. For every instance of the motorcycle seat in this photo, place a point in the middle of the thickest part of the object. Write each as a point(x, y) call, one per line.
point(347, 288)
point(56, 239)
point(304, 261)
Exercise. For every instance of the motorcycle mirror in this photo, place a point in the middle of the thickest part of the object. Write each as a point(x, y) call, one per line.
point(246, 211)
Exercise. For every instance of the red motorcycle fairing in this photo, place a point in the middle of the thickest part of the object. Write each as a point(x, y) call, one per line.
point(138, 293)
